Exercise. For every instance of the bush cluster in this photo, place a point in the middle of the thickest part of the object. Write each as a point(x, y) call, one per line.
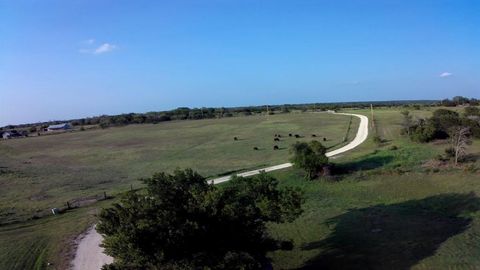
point(438, 126)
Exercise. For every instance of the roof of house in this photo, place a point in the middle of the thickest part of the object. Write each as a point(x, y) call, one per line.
point(59, 126)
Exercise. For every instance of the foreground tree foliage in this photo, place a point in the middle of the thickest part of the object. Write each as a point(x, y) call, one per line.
point(310, 157)
point(182, 222)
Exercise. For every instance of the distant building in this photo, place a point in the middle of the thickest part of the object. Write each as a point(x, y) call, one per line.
point(63, 126)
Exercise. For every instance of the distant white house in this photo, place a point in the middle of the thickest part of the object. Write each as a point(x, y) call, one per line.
point(63, 126)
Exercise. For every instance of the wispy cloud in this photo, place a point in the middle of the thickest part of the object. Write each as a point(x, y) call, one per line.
point(90, 47)
point(104, 48)
point(445, 74)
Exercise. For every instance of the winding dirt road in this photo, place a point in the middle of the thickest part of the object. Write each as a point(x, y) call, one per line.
point(89, 255)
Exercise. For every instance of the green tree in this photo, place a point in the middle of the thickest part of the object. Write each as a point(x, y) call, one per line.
point(310, 157)
point(443, 120)
point(181, 222)
point(423, 131)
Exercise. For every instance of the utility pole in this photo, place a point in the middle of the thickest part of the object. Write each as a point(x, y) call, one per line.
point(373, 120)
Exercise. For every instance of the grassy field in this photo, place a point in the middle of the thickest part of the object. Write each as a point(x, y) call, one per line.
point(43, 172)
point(388, 212)
point(425, 221)
point(384, 210)
point(36, 243)
point(46, 171)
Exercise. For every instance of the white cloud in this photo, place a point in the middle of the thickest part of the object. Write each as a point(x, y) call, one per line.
point(104, 48)
point(89, 47)
point(445, 74)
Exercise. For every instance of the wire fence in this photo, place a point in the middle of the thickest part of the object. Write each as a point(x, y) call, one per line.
point(10, 216)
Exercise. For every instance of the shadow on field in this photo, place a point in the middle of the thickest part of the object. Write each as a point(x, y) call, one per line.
point(395, 236)
point(364, 164)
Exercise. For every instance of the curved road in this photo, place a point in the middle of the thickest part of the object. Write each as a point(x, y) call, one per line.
point(361, 136)
point(89, 255)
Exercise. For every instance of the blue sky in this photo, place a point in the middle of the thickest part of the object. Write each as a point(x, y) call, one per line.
point(67, 59)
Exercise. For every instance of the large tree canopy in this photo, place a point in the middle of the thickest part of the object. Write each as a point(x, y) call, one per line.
point(181, 222)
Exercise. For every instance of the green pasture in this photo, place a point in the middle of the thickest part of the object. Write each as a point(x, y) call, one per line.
point(383, 209)
point(386, 210)
point(44, 172)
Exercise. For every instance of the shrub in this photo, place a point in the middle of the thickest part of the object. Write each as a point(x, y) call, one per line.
point(310, 157)
point(104, 125)
point(275, 147)
point(423, 132)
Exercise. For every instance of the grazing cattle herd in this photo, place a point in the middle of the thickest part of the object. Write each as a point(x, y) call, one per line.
point(276, 138)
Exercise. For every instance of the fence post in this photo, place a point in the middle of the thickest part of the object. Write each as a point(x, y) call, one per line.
point(68, 205)
point(104, 195)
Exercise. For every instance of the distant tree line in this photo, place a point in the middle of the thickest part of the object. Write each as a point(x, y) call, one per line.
point(185, 113)
point(459, 100)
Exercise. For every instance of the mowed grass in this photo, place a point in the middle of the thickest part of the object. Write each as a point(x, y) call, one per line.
point(387, 211)
point(44, 172)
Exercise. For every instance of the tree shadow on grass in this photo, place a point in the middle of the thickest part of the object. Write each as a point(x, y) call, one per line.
point(395, 236)
point(364, 164)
